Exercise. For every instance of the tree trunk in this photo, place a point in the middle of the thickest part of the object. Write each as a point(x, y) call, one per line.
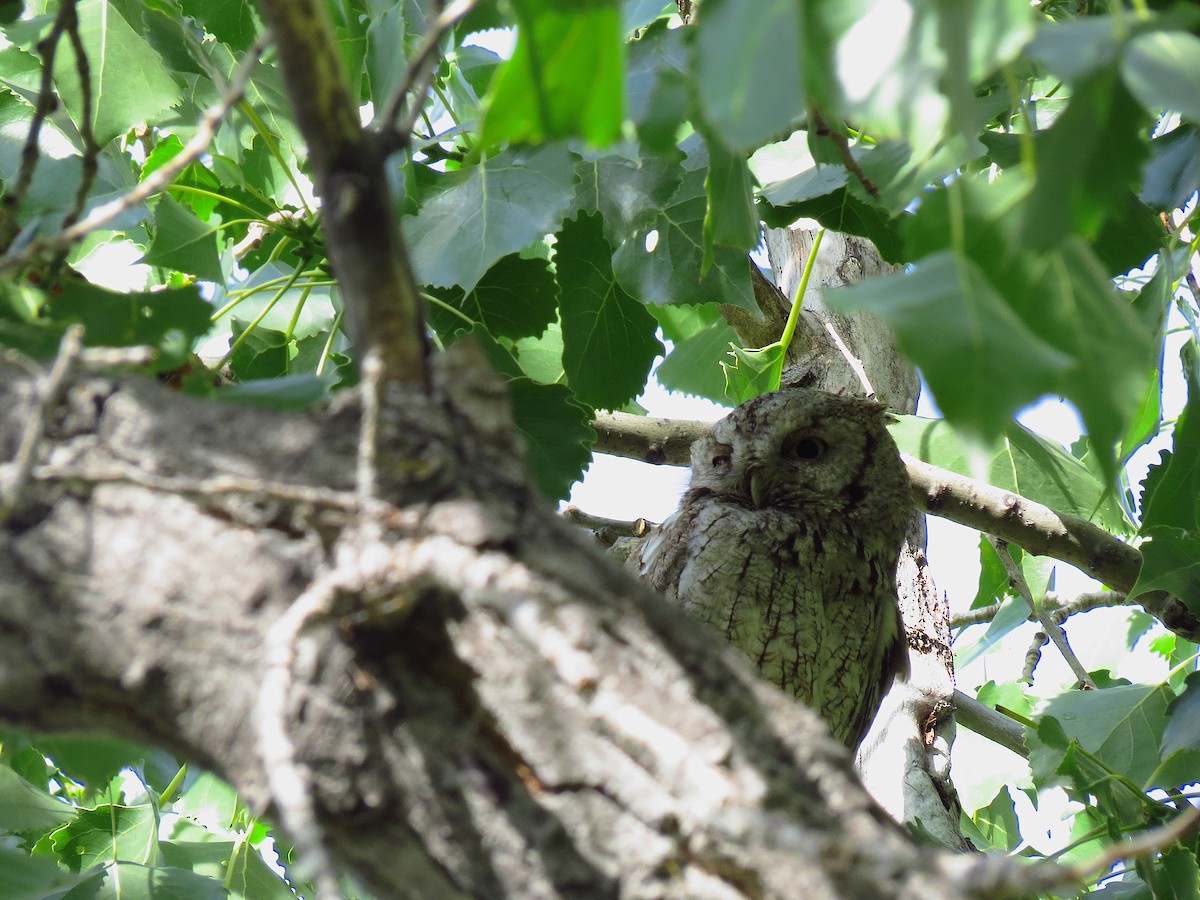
point(477, 704)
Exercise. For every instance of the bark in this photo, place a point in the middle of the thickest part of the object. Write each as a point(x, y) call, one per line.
point(486, 706)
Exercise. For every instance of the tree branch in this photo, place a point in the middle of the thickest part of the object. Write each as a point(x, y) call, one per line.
point(989, 723)
point(1033, 527)
point(151, 185)
point(417, 79)
point(378, 288)
point(1052, 629)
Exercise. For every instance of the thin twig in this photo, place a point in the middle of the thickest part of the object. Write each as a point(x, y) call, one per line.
point(49, 394)
point(47, 102)
point(843, 148)
point(1082, 603)
point(1033, 656)
point(616, 527)
point(1017, 578)
point(154, 182)
point(366, 482)
point(91, 150)
point(1144, 844)
point(418, 78)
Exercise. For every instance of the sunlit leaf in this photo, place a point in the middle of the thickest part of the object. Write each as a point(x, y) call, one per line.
point(481, 214)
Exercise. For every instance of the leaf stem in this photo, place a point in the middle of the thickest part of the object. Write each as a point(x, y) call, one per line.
point(789, 329)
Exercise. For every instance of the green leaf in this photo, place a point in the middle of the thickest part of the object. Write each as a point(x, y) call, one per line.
point(993, 579)
point(541, 357)
point(608, 337)
point(899, 91)
point(663, 260)
point(694, 364)
point(658, 87)
point(1088, 161)
point(127, 879)
point(1012, 615)
point(290, 392)
point(1162, 69)
point(225, 862)
point(23, 807)
point(91, 761)
point(628, 192)
point(1172, 495)
point(565, 75)
point(730, 219)
point(231, 21)
point(752, 373)
point(557, 435)
point(1173, 173)
point(129, 82)
point(1009, 695)
point(953, 324)
point(516, 298)
point(1183, 729)
point(262, 353)
point(194, 175)
point(839, 210)
point(1022, 462)
point(1171, 563)
point(207, 799)
point(107, 833)
point(488, 211)
point(25, 877)
point(1177, 875)
point(169, 320)
point(183, 242)
point(748, 70)
point(1121, 726)
point(997, 822)
point(1078, 47)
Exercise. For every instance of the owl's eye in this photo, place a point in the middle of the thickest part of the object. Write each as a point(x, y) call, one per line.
point(805, 447)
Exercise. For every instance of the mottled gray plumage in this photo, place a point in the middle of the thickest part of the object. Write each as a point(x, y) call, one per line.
point(786, 541)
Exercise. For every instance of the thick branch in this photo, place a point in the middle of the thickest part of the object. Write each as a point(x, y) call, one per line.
point(491, 709)
point(1008, 516)
point(378, 288)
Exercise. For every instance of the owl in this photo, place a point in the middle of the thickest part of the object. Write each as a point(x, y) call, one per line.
point(786, 541)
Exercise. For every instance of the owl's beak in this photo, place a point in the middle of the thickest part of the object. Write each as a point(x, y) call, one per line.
point(758, 488)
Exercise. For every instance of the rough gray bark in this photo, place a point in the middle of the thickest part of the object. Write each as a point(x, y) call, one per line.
point(496, 710)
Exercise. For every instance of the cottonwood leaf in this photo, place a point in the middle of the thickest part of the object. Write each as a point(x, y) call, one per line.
point(557, 433)
point(748, 69)
point(663, 260)
point(23, 807)
point(129, 81)
point(485, 212)
point(608, 337)
point(564, 78)
point(952, 323)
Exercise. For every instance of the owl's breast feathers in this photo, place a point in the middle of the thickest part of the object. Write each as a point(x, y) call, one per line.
point(810, 603)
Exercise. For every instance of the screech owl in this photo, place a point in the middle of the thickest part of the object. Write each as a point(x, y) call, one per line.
point(786, 540)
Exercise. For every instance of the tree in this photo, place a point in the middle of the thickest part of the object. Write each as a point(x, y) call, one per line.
point(324, 566)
